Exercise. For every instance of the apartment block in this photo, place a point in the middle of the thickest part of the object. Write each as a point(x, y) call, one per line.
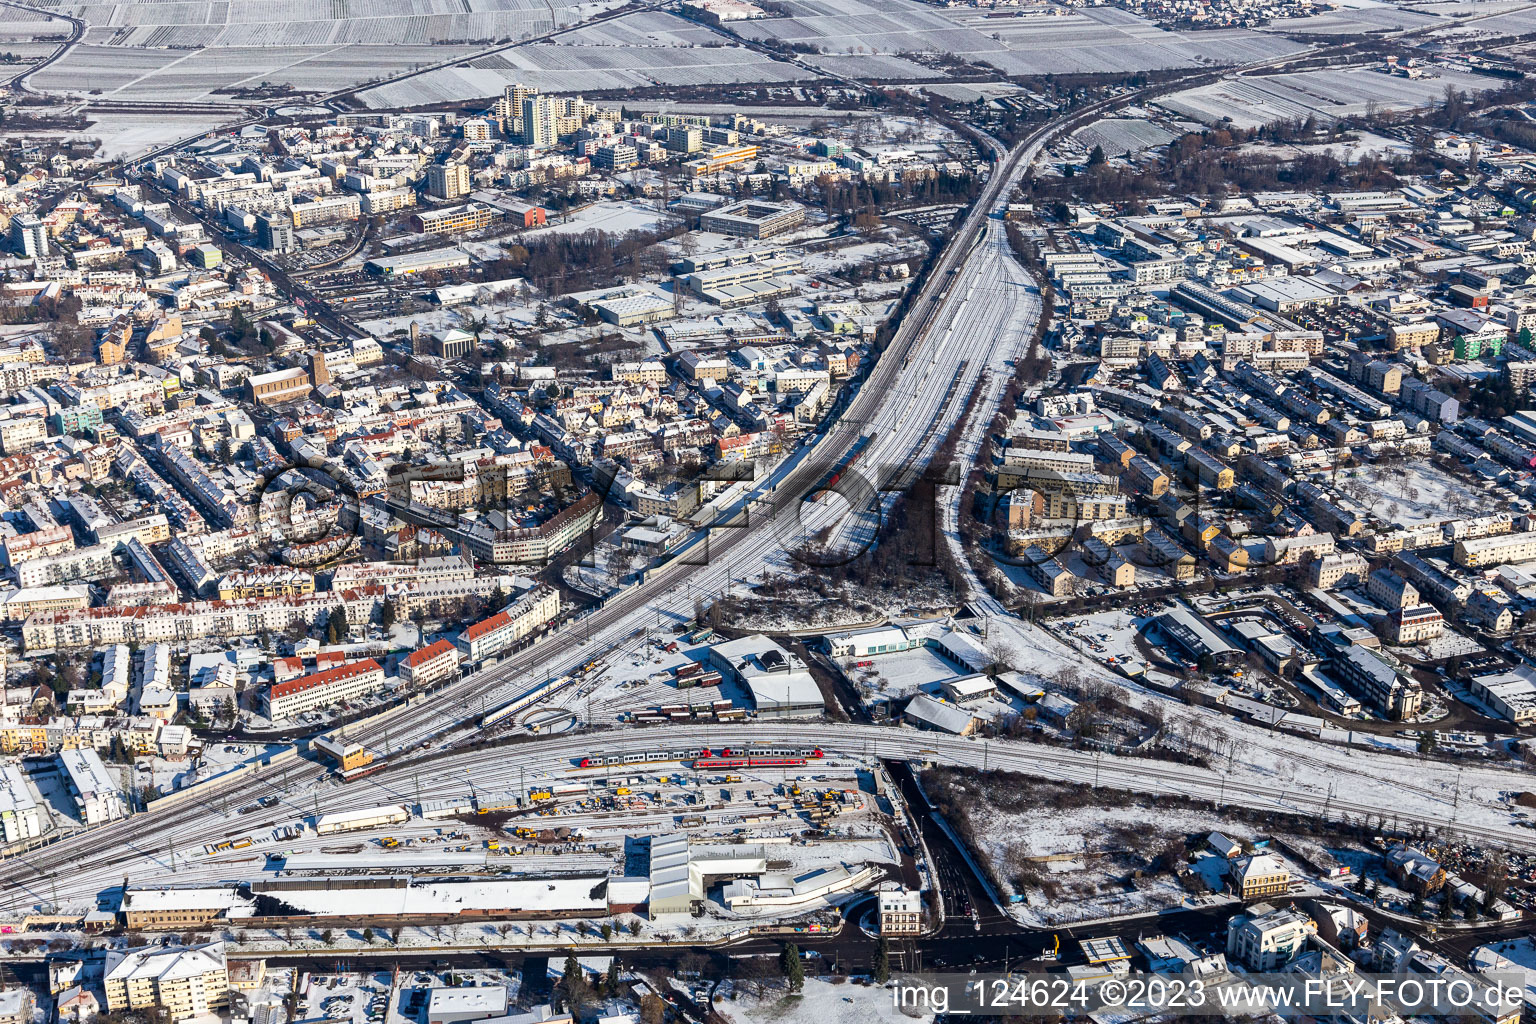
point(431, 664)
point(323, 689)
point(182, 981)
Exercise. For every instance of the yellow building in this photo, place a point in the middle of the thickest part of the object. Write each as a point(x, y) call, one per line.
point(183, 981)
point(1260, 875)
point(720, 159)
point(266, 581)
point(453, 220)
point(23, 739)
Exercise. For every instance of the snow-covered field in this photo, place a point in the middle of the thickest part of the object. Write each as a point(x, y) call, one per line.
point(821, 1002)
point(203, 75)
point(124, 135)
point(1072, 856)
point(1124, 134)
point(616, 218)
point(1414, 492)
point(635, 51)
point(1094, 39)
point(1253, 101)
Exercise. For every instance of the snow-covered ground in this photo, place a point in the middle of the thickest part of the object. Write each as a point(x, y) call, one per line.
point(614, 217)
point(1071, 857)
point(639, 675)
point(821, 1002)
point(607, 567)
point(1355, 773)
point(1414, 492)
point(168, 775)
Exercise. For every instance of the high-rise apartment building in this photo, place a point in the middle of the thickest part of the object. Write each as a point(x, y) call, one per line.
point(448, 181)
point(29, 236)
point(539, 116)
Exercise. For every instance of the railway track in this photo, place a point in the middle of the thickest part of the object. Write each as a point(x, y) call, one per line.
point(138, 837)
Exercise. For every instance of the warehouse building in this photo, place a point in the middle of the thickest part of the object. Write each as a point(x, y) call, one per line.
point(776, 680)
point(1511, 694)
point(1191, 634)
point(681, 873)
point(173, 909)
point(400, 265)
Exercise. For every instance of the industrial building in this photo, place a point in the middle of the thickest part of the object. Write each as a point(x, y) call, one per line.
point(1511, 694)
point(777, 681)
point(450, 258)
point(1378, 683)
point(1191, 634)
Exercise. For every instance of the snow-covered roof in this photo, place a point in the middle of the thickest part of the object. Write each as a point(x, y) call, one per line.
point(939, 714)
point(482, 1000)
point(966, 650)
point(211, 898)
point(584, 894)
point(164, 964)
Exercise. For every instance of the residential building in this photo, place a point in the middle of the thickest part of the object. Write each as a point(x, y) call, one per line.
point(901, 910)
point(20, 813)
point(17, 1006)
point(1391, 590)
point(1330, 570)
point(96, 794)
point(1260, 875)
point(493, 635)
point(1414, 625)
point(1476, 552)
point(182, 981)
point(1414, 870)
point(448, 181)
point(430, 665)
point(323, 689)
point(1265, 939)
point(454, 220)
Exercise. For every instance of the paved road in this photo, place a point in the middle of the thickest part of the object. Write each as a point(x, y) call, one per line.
point(76, 30)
